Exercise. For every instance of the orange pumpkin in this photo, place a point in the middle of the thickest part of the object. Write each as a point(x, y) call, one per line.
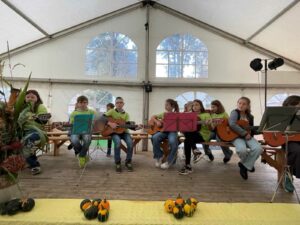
point(179, 200)
point(104, 204)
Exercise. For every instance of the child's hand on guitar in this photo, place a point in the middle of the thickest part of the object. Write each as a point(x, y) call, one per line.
point(158, 123)
point(112, 125)
point(248, 137)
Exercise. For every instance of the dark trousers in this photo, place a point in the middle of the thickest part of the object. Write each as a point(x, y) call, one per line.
point(191, 138)
point(293, 158)
point(109, 143)
point(30, 142)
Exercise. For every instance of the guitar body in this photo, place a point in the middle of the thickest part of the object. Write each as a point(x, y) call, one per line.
point(276, 138)
point(153, 128)
point(225, 133)
point(107, 130)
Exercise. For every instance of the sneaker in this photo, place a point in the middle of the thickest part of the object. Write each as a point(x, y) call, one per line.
point(243, 171)
point(197, 157)
point(288, 184)
point(158, 162)
point(118, 168)
point(70, 146)
point(36, 170)
point(211, 157)
point(82, 161)
point(108, 153)
point(165, 165)
point(186, 170)
point(227, 159)
point(128, 165)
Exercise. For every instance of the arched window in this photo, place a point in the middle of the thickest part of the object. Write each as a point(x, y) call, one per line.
point(277, 100)
point(111, 54)
point(98, 100)
point(182, 56)
point(192, 95)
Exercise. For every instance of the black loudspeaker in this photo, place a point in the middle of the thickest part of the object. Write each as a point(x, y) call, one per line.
point(256, 64)
point(277, 62)
point(148, 87)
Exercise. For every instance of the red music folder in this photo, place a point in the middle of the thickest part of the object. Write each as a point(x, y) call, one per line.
point(183, 122)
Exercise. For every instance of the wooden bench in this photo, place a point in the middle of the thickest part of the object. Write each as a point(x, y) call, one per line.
point(58, 138)
point(274, 156)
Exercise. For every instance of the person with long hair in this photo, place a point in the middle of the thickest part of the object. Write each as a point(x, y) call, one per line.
point(170, 106)
point(32, 137)
point(293, 156)
point(201, 135)
point(245, 139)
point(218, 112)
point(188, 107)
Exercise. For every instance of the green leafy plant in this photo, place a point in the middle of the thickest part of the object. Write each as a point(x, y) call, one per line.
point(13, 122)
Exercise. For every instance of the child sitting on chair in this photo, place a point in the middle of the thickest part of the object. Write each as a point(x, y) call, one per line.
point(32, 137)
point(81, 142)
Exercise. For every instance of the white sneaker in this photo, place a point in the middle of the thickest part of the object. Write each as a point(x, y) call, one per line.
point(165, 165)
point(158, 162)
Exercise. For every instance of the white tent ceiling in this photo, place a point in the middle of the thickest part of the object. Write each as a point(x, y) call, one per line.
point(270, 24)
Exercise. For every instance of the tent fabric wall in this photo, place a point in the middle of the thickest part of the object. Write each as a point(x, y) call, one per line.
point(64, 58)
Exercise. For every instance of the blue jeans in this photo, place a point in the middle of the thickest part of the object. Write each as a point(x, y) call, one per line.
point(81, 143)
point(32, 138)
point(226, 150)
point(173, 143)
point(248, 157)
point(116, 138)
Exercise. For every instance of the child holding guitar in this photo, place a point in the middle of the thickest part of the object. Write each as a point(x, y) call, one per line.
point(81, 142)
point(202, 135)
point(170, 106)
point(114, 115)
point(32, 137)
point(245, 139)
point(293, 157)
point(218, 112)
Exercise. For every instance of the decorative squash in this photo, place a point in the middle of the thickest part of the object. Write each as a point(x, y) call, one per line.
point(13, 207)
point(103, 215)
point(194, 202)
point(169, 205)
point(91, 212)
point(96, 201)
point(27, 204)
point(178, 212)
point(104, 204)
point(179, 200)
point(188, 210)
point(85, 204)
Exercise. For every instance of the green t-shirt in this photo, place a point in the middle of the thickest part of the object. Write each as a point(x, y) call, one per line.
point(77, 112)
point(40, 110)
point(204, 131)
point(117, 115)
point(223, 115)
point(160, 116)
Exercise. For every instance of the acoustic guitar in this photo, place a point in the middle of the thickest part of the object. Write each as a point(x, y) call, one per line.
point(122, 125)
point(225, 132)
point(277, 138)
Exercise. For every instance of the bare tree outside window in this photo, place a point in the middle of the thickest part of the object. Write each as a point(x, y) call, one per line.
point(182, 99)
point(277, 100)
point(111, 54)
point(182, 56)
point(98, 99)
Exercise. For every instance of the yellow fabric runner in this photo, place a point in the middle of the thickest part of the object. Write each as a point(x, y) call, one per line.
point(67, 211)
